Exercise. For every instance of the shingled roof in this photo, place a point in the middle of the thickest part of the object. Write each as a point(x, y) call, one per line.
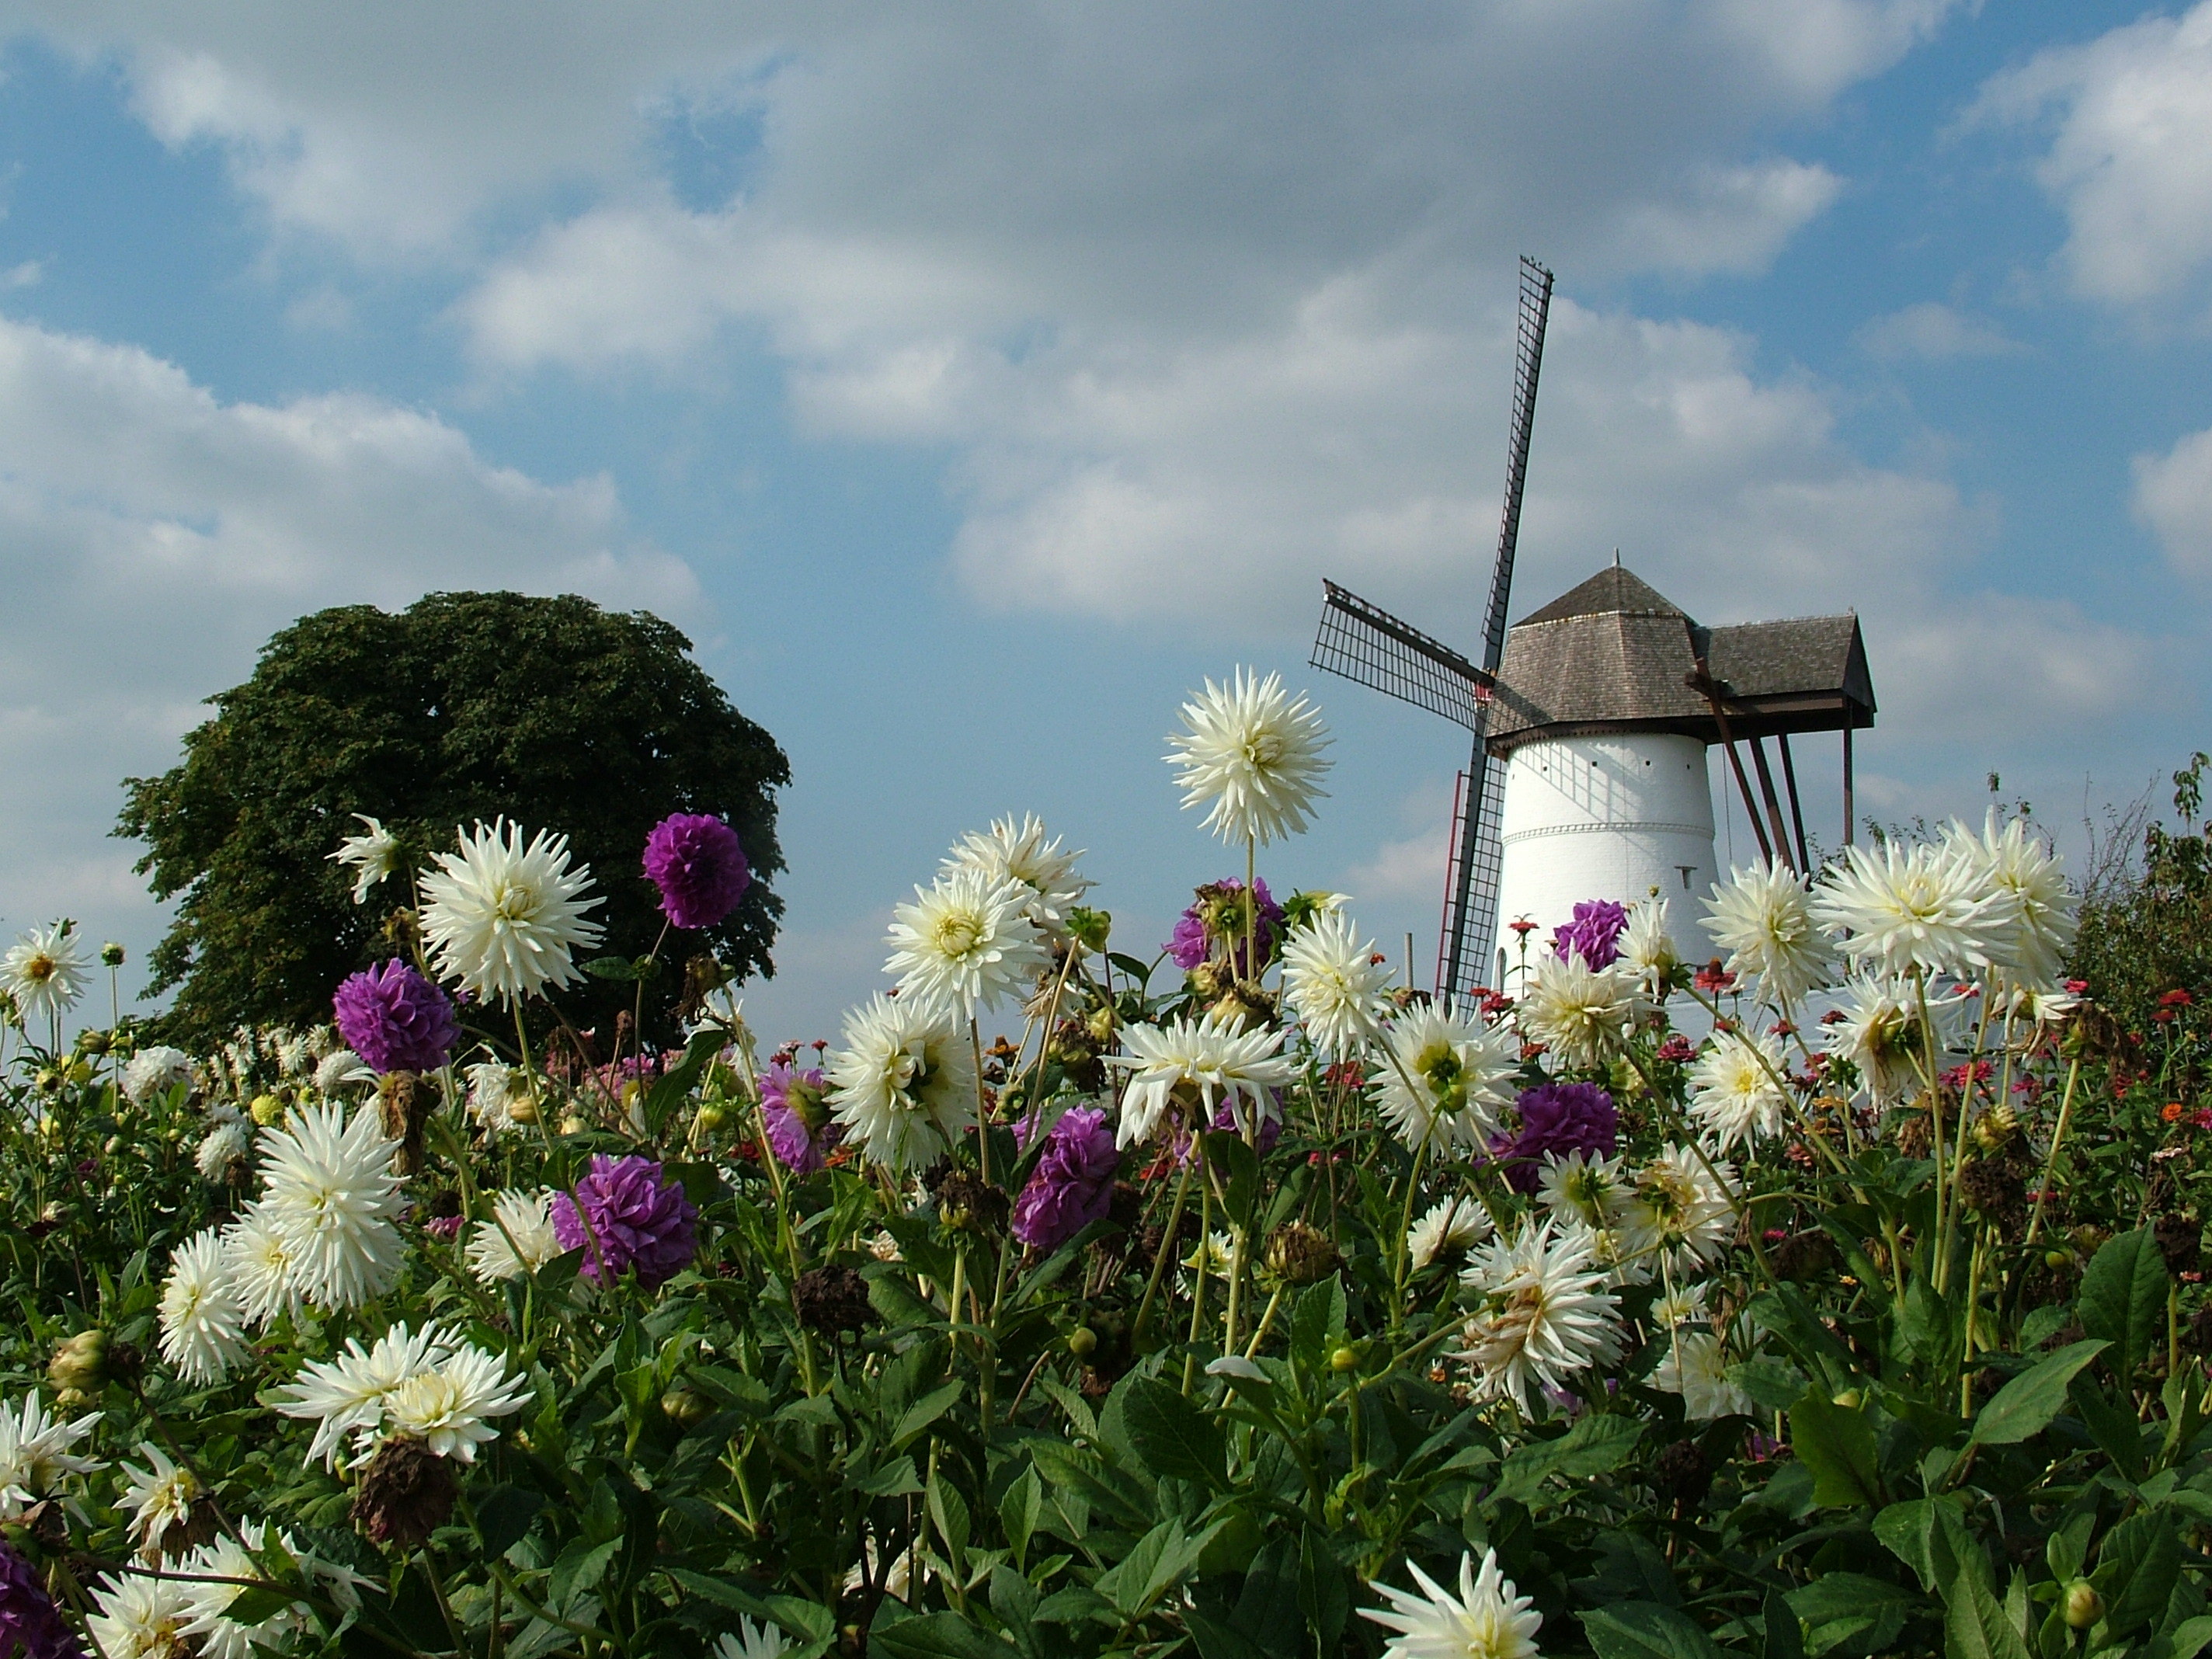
point(1615, 655)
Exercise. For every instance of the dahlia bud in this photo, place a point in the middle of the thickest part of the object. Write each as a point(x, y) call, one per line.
point(2084, 1606)
point(49, 1079)
point(78, 1072)
point(80, 1362)
point(110, 955)
point(709, 1119)
point(1209, 980)
point(1996, 1126)
point(1090, 928)
point(1299, 1254)
point(94, 1042)
point(1083, 1341)
point(266, 1109)
point(406, 1493)
point(1344, 1359)
point(522, 1109)
point(2055, 1260)
point(572, 1124)
point(686, 1406)
point(967, 1204)
point(1102, 1025)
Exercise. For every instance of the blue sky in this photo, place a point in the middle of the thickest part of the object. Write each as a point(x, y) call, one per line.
point(968, 388)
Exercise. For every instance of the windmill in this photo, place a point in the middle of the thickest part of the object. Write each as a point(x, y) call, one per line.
point(1592, 719)
point(1365, 643)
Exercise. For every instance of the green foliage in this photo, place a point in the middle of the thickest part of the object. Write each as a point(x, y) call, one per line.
point(464, 706)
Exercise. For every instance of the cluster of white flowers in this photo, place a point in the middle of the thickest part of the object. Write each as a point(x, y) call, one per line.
point(424, 1384)
point(323, 1231)
point(146, 1617)
point(35, 1456)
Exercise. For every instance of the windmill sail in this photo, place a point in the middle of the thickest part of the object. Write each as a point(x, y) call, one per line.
point(1471, 893)
point(1366, 643)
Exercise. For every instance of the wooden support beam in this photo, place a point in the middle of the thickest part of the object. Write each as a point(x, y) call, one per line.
point(1847, 782)
point(1796, 807)
point(1773, 803)
point(1700, 679)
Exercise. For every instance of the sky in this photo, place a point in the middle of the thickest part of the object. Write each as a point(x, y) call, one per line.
point(971, 383)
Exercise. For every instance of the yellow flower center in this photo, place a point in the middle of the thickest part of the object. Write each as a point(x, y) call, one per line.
point(39, 968)
point(517, 902)
point(957, 933)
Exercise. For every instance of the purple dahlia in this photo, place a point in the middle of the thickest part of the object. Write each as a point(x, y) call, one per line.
point(30, 1626)
point(1594, 935)
point(800, 1131)
point(1073, 1184)
point(699, 867)
point(395, 1019)
point(1218, 920)
point(639, 1218)
point(1556, 1119)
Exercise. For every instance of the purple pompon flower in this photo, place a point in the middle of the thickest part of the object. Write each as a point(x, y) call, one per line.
point(800, 1131)
point(30, 1626)
point(1215, 923)
point(1556, 1119)
point(696, 863)
point(639, 1218)
point(1594, 935)
point(395, 1019)
point(1073, 1184)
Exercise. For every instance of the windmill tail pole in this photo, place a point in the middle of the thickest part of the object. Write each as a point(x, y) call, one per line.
point(1701, 680)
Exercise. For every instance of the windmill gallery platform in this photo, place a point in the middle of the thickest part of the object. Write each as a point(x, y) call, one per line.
point(1606, 704)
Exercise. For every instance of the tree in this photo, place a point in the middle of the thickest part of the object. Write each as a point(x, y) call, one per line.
point(466, 706)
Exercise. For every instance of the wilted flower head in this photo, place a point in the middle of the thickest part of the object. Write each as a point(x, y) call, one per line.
point(329, 1194)
point(1544, 1314)
point(795, 1105)
point(1735, 1087)
point(1881, 1032)
point(504, 919)
point(1253, 756)
point(1212, 1060)
point(903, 1082)
point(395, 1019)
point(699, 866)
point(1071, 1184)
point(1556, 1119)
point(1762, 916)
point(1487, 1619)
point(1595, 933)
point(966, 942)
point(1447, 1077)
point(1021, 852)
point(1934, 908)
point(1334, 984)
point(158, 1498)
point(638, 1217)
point(495, 1090)
point(45, 971)
point(1583, 1015)
point(152, 1072)
point(373, 855)
point(203, 1326)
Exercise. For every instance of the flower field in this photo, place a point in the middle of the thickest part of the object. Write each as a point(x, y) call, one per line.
point(1817, 1274)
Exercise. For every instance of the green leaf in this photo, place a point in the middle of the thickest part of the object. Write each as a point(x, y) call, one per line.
point(1595, 1445)
point(1644, 1629)
point(1930, 1535)
point(1155, 1564)
point(937, 1636)
point(923, 1413)
point(619, 968)
point(1837, 1443)
point(1976, 1627)
point(2190, 1637)
point(1850, 1612)
point(2041, 1325)
point(896, 1479)
point(1018, 1511)
point(251, 1607)
point(1783, 1640)
point(2123, 1299)
point(2112, 1426)
point(1172, 1435)
point(1216, 1641)
point(948, 1511)
point(1774, 1383)
point(2137, 1567)
point(503, 1516)
point(1317, 1322)
point(2024, 1406)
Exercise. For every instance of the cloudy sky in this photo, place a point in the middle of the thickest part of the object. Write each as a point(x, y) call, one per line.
point(969, 381)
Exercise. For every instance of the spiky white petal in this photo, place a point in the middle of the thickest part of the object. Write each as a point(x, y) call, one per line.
point(1937, 909)
point(158, 1498)
point(1214, 1060)
point(1581, 1188)
point(224, 1148)
point(902, 1082)
point(140, 1618)
point(1677, 1207)
point(447, 1407)
point(329, 1194)
point(1334, 984)
point(203, 1324)
point(2045, 910)
point(1543, 1315)
point(494, 1088)
point(346, 1396)
point(45, 970)
point(1762, 918)
point(1487, 1619)
point(1447, 1075)
point(1456, 1222)
point(1583, 1015)
point(35, 1458)
point(505, 920)
point(263, 1269)
point(966, 942)
point(752, 1641)
point(1735, 1087)
point(373, 855)
point(1647, 945)
point(517, 1240)
point(1021, 852)
point(1881, 1033)
point(1252, 756)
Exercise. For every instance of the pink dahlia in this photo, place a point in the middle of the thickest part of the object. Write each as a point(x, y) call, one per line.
point(639, 1218)
point(395, 1019)
point(699, 867)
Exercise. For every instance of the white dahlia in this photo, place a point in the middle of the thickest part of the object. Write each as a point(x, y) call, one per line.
point(1253, 756)
point(329, 1194)
point(752, 1641)
point(1487, 1619)
point(903, 1082)
point(223, 1149)
point(495, 1087)
point(35, 1458)
point(2045, 909)
point(966, 942)
point(345, 1397)
point(1762, 917)
point(264, 1270)
point(1735, 1089)
point(517, 1240)
point(1676, 1208)
point(202, 1325)
point(1211, 1061)
point(1696, 1367)
point(1334, 983)
point(1448, 1074)
point(1881, 1034)
point(373, 855)
point(1646, 944)
point(1020, 852)
point(215, 1634)
point(1583, 1015)
point(1544, 1314)
point(1581, 1189)
point(1930, 908)
point(151, 1074)
point(1447, 1227)
point(140, 1618)
point(339, 1070)
point(45, 971)
point(447, 1406)
point(504, 919)
point(158, 1498)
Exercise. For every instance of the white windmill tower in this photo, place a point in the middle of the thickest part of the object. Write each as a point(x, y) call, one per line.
point(1592, 719)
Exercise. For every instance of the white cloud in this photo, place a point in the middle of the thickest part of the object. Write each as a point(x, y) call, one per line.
point(151, 537)
point(2130, 160)
point(2173, 499)
point(1933, 332)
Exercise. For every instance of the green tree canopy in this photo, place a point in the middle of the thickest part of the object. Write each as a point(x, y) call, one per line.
point(466, 706)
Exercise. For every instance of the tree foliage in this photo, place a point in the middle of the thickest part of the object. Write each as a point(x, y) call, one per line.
point(466, 706)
